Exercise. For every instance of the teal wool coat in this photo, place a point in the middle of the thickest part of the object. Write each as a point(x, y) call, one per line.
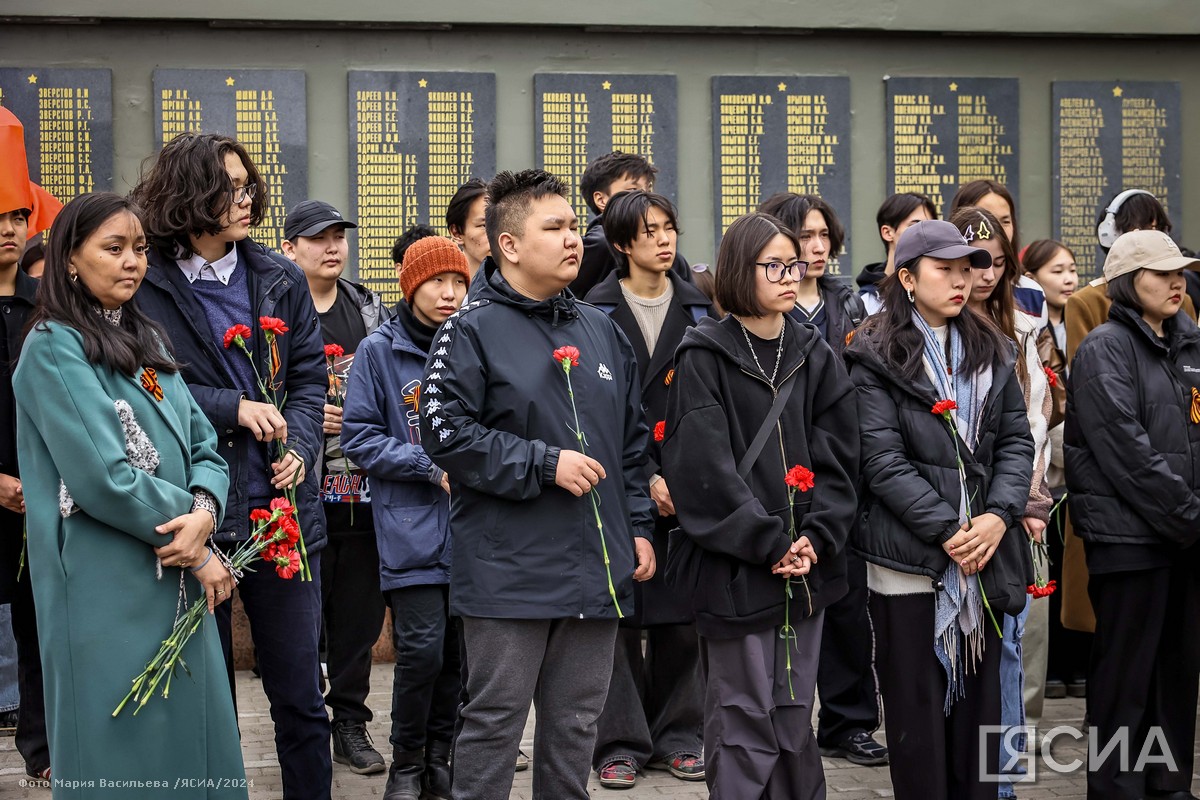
point(101, 612)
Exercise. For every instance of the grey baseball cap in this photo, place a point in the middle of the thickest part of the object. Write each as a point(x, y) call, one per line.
point(937, 238)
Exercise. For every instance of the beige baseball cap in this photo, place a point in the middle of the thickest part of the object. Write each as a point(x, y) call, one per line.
point(1146, 249)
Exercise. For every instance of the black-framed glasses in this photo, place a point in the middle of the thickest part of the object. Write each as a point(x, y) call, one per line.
point(241, 194)
point(775, 270)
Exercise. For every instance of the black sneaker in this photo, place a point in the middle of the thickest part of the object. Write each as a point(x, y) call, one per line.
point(352, 746)
point(8, 723)
point(860, 748)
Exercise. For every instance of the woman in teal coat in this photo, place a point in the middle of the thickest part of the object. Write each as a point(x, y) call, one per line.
point(123, 485)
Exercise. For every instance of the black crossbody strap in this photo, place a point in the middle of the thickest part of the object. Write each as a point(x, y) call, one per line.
point(760, 439)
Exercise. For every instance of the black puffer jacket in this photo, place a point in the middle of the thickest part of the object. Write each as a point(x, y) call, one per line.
point(911, 485)
point(737, 529)
point(495, 414)
point(1132, 453)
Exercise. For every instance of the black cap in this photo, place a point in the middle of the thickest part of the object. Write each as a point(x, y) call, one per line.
point(311, 217)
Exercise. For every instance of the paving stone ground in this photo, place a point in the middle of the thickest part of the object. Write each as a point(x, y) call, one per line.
point(845, 781)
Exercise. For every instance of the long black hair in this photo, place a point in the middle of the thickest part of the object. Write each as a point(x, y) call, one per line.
point(138, 341)
point(898, 340)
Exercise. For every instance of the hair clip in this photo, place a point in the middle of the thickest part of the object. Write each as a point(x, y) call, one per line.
point(699, 267)
point(984, 231)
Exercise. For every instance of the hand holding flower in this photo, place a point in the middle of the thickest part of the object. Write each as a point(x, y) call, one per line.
point(217, 582)
point(801, 549)
point(578, 473)
point(644, 551)
point(1035, 529)
point(973, 545)
point(332, 424)
point(263, 420)
point(289, 471)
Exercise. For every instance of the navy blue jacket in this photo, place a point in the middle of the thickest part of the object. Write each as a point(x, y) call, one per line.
point(380, 434)
point(277, 289)
point(495, 414)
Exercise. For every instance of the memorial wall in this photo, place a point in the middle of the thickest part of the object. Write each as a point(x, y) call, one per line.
point(387, 124)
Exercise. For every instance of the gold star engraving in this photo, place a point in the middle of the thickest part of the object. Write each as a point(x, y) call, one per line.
point(782, 86)
point(953, 86)
point(422, 83)
point(1118, 91)
point(33, 78)
point(607, 85)
point(230, 81)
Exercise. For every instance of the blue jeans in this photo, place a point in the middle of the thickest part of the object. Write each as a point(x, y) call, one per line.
point(10, 698)
point(1012, 697)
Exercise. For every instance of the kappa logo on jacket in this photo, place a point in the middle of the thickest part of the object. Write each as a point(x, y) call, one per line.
point(603, 372)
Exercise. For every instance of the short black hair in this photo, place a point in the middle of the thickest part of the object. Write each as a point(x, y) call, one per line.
point(792, 209)
point(509, 195)
point(406, 239)
point(900, 207)
point(460, 204)
point(1139, 212)
point(1121, 290)
point(737, 273)
point(602, 173)
point(625, 219)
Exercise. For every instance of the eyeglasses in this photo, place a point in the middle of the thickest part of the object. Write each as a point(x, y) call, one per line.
point(776, 269)
point(241, 194)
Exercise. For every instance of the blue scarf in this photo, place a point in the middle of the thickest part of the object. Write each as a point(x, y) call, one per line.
point(958, 608)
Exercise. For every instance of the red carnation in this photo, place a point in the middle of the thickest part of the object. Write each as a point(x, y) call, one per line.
point(333, 350)
point(273, 325)
point(282, 505)
point(261, 515)
point(660, 430)
point(238, 334)
point(290, 530)
point(800, 478)
point(287, 563)
point(942, 408)
point(1051, 377)
point(567, 353)
point(1042, 591)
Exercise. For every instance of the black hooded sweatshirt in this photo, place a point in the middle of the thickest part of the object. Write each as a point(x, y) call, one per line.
point(737, 529)
point(495, 414)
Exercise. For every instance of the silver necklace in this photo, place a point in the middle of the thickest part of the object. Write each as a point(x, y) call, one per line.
point(778, 352)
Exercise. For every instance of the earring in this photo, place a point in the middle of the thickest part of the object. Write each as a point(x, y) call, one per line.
point(74, 277)
point(910, 295)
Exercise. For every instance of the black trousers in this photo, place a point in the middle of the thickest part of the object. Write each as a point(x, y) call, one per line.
point(353, 610)
point(1145, 672)
point(934, 756)
point(31, 717)
point(846, 674)
point(655, 703)
point(285, 624)
point(1068, 652)
point(425, 681)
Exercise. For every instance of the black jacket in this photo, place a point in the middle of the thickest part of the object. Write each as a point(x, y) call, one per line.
point(494, 415)
point(656, 603)
point(277, 289)
point(844, 311)
point(1132, 453)
point(737, 529)
point(599, 259)
point(911, 485)
point(12, 524)
point(872, 275)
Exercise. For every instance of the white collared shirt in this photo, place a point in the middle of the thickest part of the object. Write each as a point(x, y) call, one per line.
point(196, 268)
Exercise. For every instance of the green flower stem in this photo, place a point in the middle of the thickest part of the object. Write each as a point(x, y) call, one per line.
point(170, 652)
point(787, 632)
point(578, 431)
point(962, 476)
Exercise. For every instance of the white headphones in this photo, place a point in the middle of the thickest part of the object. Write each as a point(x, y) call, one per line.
point(1107, 231)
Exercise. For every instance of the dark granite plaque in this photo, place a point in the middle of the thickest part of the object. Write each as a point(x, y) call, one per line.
point(67, 114)
point(264, 109)
point(579, 117)
point(415, 137)
point(944, 132)
point(1109, 137)
point(781, 133)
